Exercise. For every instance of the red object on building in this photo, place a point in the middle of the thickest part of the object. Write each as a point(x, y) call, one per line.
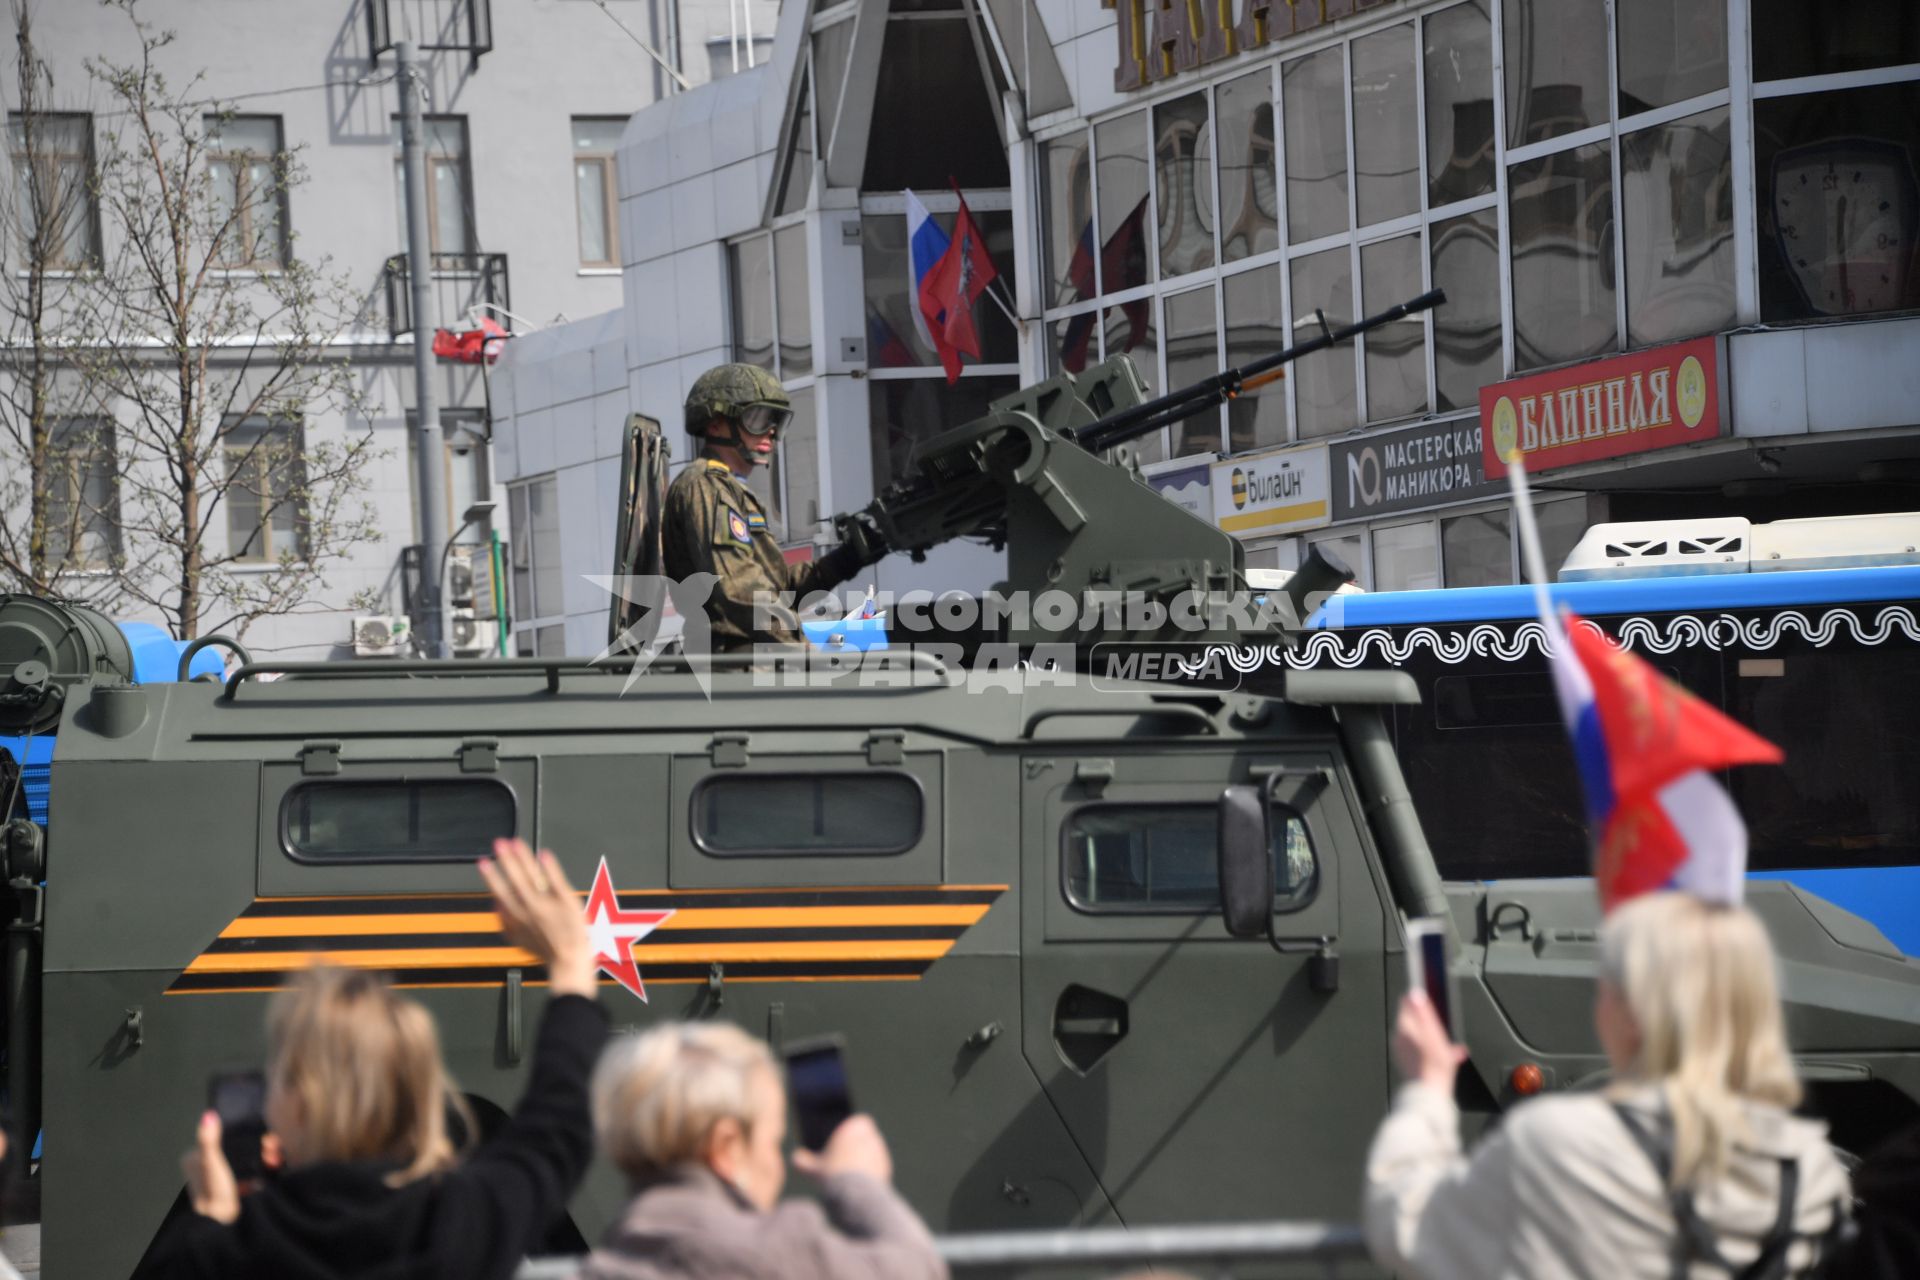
point(948, 293)
point(1653, 399)
point(473, 346)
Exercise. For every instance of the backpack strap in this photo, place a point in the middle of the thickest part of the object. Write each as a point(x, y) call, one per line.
point(1694, 1238)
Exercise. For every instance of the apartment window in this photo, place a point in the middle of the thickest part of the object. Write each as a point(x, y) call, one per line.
point(52, 156)
point(83, 525)
point(596, 190)
point(534, 508)
point(266, 491)
point(464, 463)
point(449, 185)
point(247, 156)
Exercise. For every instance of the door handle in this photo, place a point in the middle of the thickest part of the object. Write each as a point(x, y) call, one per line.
point(1087, 1024)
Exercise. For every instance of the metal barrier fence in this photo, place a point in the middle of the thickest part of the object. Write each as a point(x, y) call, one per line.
point(1109, 1249)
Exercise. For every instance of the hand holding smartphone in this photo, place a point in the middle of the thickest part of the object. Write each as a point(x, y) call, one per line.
point(817, 1081)
point(1428, 970)
point(239, 1098)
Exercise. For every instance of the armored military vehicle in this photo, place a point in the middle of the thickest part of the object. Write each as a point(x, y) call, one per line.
point(1103, 951)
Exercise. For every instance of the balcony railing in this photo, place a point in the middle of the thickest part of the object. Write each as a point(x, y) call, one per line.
point(460, 282)
point(456, 26)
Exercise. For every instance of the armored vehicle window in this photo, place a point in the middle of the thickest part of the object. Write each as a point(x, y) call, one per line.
point(395, 820)
point(1165, 857)
point(779, 815)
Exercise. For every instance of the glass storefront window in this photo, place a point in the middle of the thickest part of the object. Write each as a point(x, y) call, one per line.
point(1249, 204)
point(1325, 398)
point(1839, 209)
point(1396, 354)
point(1477, 549)
point(751, 271)
point(1406, 557)
point(893, 305)
point(800, 460)
point(905, 411)
point(1256, 327)
point(1671, 50)
point(1313, 103)
point(1676, 199)
point(1459, 58)
point(1120, 148)
point(1191, 356)
point(1386, 126)
point(1466, 332)
point(1075, 343)
point(1560, 217)
point(1556, 65)
point(1068, 194)
point(1824, 39)
point(796, 320)
point(1561, 524)
point(1183, 171)
point(1130, 331)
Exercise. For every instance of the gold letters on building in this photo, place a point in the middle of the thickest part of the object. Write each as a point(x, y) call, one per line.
point(1162, 38)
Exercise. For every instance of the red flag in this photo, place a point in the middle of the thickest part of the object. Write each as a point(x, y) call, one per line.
point(948, 293)
point(473, 346)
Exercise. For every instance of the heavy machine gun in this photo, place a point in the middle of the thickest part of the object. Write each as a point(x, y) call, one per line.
point(1047, 474)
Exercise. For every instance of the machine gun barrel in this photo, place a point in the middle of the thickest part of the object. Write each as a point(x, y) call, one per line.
point(1178, 406)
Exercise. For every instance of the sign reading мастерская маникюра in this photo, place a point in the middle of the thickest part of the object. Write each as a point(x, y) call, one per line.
point(1423, 466)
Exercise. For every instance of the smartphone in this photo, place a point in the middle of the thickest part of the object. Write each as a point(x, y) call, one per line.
point(1428, 970)
point(817, 1080)
point(239, 1098)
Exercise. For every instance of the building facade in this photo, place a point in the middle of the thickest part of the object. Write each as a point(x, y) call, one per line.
point(1677, 238)
point(525, 104)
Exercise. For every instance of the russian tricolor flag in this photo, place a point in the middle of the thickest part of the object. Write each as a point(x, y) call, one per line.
point(1646, 749)
point(926, 245)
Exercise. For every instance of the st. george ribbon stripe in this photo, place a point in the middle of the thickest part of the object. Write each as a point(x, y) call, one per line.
point(675, 900)
point(664, 938)
point(491, 976)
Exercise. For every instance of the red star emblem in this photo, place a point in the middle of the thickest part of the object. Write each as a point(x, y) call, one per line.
point(614, 931)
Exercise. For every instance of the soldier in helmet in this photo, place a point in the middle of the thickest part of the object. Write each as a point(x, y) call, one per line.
point(714, 523)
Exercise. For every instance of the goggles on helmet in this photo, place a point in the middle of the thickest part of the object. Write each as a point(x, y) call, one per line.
point(761, 419)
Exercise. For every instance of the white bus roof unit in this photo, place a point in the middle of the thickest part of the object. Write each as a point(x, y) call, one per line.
point(1730, 544)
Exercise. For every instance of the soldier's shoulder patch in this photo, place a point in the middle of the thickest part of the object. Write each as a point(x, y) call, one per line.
point(755, 520)
point(738, 527)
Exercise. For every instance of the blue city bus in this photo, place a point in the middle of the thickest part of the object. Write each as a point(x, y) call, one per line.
point(1824, 662)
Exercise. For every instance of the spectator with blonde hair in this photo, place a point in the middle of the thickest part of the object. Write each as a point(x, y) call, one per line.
point(695, 1114)
point(1689, 1163)
point(357, 1102)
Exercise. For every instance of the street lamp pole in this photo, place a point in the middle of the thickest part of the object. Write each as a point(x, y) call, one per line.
point(431, 606)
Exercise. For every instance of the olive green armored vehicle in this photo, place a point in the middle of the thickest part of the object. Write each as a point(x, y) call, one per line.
point(1003, 887)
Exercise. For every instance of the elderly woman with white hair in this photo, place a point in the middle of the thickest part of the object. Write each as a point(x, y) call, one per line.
point(1689, 1163)
point(695, 1115)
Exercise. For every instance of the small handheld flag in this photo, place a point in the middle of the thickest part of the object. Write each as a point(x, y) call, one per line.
point(1644, 748)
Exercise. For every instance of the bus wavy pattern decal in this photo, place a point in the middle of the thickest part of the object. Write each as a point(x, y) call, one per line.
point(1349, 650)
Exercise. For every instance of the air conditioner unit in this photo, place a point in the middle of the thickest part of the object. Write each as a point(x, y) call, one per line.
point(472, 637)
point(381, 636)
point(460, 575)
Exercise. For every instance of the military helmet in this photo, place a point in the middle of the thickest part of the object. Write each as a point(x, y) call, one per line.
point(728, 391)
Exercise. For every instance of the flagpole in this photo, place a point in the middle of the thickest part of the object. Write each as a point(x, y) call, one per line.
point(1531, 557)
point(1005, 310)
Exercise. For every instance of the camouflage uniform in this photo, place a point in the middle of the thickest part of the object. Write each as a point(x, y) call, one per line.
point(714, 523)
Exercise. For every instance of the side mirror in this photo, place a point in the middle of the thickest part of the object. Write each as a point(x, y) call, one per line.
point(1246, 861)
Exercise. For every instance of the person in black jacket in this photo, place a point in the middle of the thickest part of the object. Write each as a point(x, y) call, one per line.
point(370, 1185)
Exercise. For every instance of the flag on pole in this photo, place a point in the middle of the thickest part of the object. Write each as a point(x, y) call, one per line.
point(1645, 750)
point(926, 245)
point(948, 292)
point(1116, 261)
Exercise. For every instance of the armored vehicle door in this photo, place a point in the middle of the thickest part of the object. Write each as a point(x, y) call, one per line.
point(1203, 1077)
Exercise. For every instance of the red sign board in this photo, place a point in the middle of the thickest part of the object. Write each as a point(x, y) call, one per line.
point(1606, 408)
